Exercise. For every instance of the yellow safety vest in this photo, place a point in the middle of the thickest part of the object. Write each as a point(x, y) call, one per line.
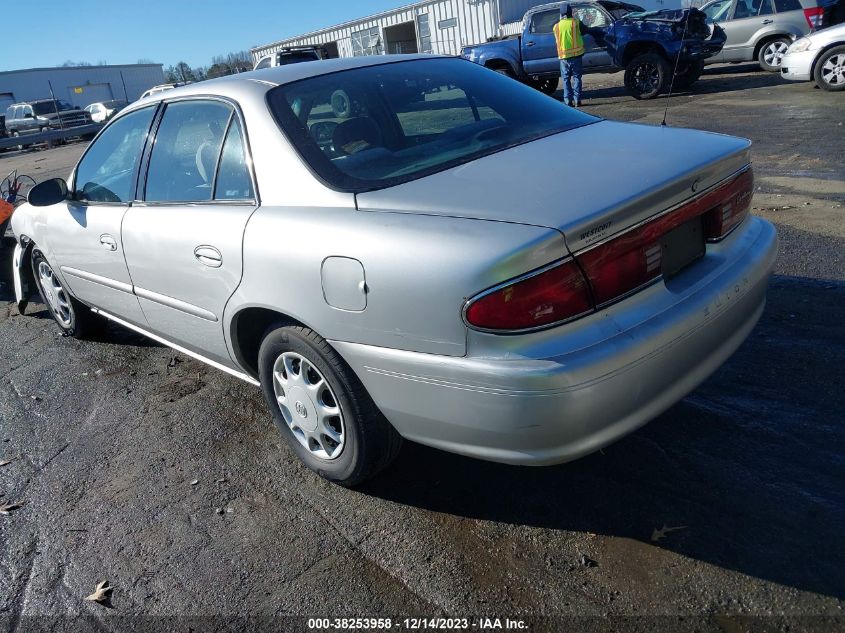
point(568, 38)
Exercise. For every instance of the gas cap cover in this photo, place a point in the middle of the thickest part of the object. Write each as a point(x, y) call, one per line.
point(344, 283)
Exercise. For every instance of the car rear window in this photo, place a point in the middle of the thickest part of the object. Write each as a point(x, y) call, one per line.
point(374, 127)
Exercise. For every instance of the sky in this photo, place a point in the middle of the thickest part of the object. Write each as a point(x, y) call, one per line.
point(165, 31)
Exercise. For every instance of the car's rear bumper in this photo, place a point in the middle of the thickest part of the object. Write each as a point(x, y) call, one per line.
point(798, 66)
point(561, 394)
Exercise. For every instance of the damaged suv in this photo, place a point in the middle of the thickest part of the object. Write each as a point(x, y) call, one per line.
point(647, 46)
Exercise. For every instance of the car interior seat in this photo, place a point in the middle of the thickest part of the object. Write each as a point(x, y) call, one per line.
point(741, 10)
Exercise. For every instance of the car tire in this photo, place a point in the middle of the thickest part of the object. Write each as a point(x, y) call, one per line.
point(771, 54)
point(74, 319)
point(830, 70)
point(20, 146)
point(341, 104)
point(645, 75)
point(321, 408)
point(503, 70)
point(687, 76)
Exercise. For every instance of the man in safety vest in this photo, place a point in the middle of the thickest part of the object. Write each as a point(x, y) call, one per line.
point(570, 51)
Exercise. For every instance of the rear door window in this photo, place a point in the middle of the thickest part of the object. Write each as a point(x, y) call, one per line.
point(544, 21)
point(233, 179)
point(186, 151)
point(787, 5)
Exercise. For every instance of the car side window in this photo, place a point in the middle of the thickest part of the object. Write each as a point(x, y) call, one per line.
point(233, 180)
point(264, 63)
point(762, 7)
point(787, 5)
point(544, 21)
point(590, 17)
point(186, 151)
point(717, 11)
point(107, 171)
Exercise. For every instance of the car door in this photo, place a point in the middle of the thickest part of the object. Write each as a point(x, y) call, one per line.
point(84, 231)
point(748, 17)
point(539, 49)
point(29, 122)
point(183, 242)
point(593, 18)
point(717, 13)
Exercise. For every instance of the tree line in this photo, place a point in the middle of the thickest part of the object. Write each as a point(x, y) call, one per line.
point(221, 65)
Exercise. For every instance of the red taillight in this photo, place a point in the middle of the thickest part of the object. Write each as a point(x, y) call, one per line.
point(814, 17)
point(614, 268)
point(552, 296)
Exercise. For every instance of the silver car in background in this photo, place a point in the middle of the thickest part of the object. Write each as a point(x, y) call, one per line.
point(440, 259)
point(819, 57)
point(761, 30)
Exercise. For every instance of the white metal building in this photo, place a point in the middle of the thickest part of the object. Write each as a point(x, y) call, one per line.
point(79, 85)
point(428, 26)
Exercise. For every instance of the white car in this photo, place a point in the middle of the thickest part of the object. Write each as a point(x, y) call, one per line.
point(818, 57)
point(104, 110)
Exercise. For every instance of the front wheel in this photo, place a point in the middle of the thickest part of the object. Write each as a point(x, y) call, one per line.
point(322, 409)
point(72, 317)
point(19, 146)
point(830, 70)
point(645, 75)
point(771, 54)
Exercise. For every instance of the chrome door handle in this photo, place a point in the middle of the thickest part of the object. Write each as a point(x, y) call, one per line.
point(209, 256)
point(108, 242)
point(767, 21)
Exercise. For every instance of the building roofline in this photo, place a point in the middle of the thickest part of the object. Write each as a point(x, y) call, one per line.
point(54, 68)
point(342, 25)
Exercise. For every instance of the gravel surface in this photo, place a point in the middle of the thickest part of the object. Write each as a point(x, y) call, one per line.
point(140, 466)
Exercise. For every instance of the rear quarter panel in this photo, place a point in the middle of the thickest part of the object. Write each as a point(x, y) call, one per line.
point(419, 270)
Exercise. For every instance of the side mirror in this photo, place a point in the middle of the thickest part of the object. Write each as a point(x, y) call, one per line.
point(48, 193)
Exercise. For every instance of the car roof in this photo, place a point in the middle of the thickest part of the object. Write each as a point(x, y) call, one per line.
point(232, 85)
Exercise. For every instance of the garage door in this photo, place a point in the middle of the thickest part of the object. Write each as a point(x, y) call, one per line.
point(81, 96)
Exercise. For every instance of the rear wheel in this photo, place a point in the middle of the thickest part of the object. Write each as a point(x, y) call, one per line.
point(504, 70)
point(73, 318)
point(322, 409)
point(645, 75)
point(771, 54)
point(830, 70)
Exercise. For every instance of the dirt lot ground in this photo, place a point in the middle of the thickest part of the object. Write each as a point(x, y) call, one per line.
point(142, 467)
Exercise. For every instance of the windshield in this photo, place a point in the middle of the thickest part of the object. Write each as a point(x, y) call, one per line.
point(112, 105)
point(50, 107)
point(297, 57)
point(377, 126)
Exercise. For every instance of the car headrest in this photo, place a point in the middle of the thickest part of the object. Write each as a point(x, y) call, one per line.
point(205, 159)
point(355, 135)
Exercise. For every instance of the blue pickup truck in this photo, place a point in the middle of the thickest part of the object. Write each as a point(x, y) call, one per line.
point(649, 47)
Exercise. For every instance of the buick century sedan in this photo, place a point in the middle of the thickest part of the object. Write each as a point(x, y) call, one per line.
point(409, 247)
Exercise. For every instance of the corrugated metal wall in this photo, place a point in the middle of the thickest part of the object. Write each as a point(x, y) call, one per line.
point(452, 23)
point(81, 85)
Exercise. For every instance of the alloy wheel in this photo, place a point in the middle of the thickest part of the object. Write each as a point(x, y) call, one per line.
point(646, 77)
point(55, 295)
point(833, 70)
point(308, 405)
point(774, 52)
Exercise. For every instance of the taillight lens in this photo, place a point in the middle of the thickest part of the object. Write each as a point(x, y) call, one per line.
point(612, 269)
point(552, 296)
point(814, 16)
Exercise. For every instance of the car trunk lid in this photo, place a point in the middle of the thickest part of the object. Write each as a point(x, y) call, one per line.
point(589, 183)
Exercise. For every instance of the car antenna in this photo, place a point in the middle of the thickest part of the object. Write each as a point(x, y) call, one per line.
point(677, 60)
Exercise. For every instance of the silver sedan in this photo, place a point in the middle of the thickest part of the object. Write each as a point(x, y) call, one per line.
point(410, 247)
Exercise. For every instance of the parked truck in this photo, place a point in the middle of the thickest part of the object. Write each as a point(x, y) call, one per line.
point(650, 47)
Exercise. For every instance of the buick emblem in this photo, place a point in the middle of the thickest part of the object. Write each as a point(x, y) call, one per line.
point(301, 410)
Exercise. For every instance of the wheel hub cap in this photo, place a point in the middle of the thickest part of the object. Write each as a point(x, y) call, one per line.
point(308, 406)
point(54, 294)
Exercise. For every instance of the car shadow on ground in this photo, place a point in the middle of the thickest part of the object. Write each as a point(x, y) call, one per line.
point(713, 81)
point(752, 463)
